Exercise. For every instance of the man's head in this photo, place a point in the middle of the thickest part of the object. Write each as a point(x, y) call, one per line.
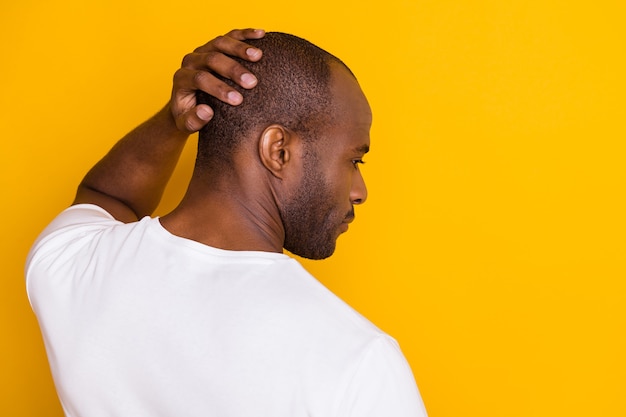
point(309, 121)
point(293, 91)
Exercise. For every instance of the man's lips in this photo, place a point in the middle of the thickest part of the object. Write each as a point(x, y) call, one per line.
point(350, 216)
point(349, 219)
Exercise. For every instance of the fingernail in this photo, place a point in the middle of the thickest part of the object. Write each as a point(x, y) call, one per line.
point(204, 114)
point(248, 79)
point(253, 52)
point(234, 97)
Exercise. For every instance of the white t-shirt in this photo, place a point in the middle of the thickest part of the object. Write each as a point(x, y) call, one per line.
point(140, 322)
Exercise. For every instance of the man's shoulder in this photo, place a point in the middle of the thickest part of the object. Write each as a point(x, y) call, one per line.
point(79, 215)
point(73, 232)
point(74, 221)
point(302, 301)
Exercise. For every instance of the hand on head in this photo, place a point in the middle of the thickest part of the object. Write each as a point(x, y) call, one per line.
point(198, 71)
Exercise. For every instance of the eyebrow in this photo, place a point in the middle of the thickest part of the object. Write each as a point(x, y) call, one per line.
point(362, 149)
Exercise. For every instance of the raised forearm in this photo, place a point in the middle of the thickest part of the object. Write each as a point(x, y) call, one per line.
point(129, 181)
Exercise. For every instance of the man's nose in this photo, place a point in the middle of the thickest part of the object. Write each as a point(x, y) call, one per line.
point(358, 193)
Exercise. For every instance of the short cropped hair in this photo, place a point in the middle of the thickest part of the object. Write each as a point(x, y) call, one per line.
point(293, 90)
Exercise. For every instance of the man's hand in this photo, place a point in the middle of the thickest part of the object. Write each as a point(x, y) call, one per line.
point(197, 73)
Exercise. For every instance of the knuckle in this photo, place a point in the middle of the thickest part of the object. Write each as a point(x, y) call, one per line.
point(187, 59)
point(211, 59)
point(190, 124)
point(199, 77)
point(177, 75)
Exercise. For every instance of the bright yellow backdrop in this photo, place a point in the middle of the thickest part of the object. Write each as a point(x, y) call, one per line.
point(492, 245)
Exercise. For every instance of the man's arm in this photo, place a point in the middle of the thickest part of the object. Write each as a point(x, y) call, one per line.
point(129, 181)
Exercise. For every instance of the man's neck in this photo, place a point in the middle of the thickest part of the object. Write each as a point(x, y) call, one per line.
point(231, 220)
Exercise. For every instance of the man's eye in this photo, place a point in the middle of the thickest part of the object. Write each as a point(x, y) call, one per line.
point(356, 162)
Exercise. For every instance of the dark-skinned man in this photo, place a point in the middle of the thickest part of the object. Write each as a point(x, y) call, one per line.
point(199, 312)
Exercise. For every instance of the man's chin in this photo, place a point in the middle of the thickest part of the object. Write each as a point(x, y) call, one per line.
point(316, 253)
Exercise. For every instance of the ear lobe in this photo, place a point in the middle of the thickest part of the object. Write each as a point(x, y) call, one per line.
point(275, 148)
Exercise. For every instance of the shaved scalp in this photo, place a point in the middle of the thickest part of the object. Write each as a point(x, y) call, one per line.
point(293, 90)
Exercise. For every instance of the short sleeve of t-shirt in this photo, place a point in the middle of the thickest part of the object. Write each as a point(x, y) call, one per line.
point(72, 223)
point(66, 234)
point(383, 385)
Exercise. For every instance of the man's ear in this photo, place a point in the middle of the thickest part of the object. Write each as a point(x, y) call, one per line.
point(277, 147)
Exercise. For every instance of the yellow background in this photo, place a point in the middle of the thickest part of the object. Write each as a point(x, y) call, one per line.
point(492, 245)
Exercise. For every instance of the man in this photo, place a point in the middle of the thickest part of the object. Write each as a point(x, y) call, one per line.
point(199, 312)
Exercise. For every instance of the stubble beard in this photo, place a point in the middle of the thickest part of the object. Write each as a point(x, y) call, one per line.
point(310, 219)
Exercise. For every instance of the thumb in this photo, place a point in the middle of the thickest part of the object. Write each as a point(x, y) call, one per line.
point(194, 119)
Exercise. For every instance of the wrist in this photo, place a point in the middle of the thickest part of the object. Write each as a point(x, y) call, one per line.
point(167, 123)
